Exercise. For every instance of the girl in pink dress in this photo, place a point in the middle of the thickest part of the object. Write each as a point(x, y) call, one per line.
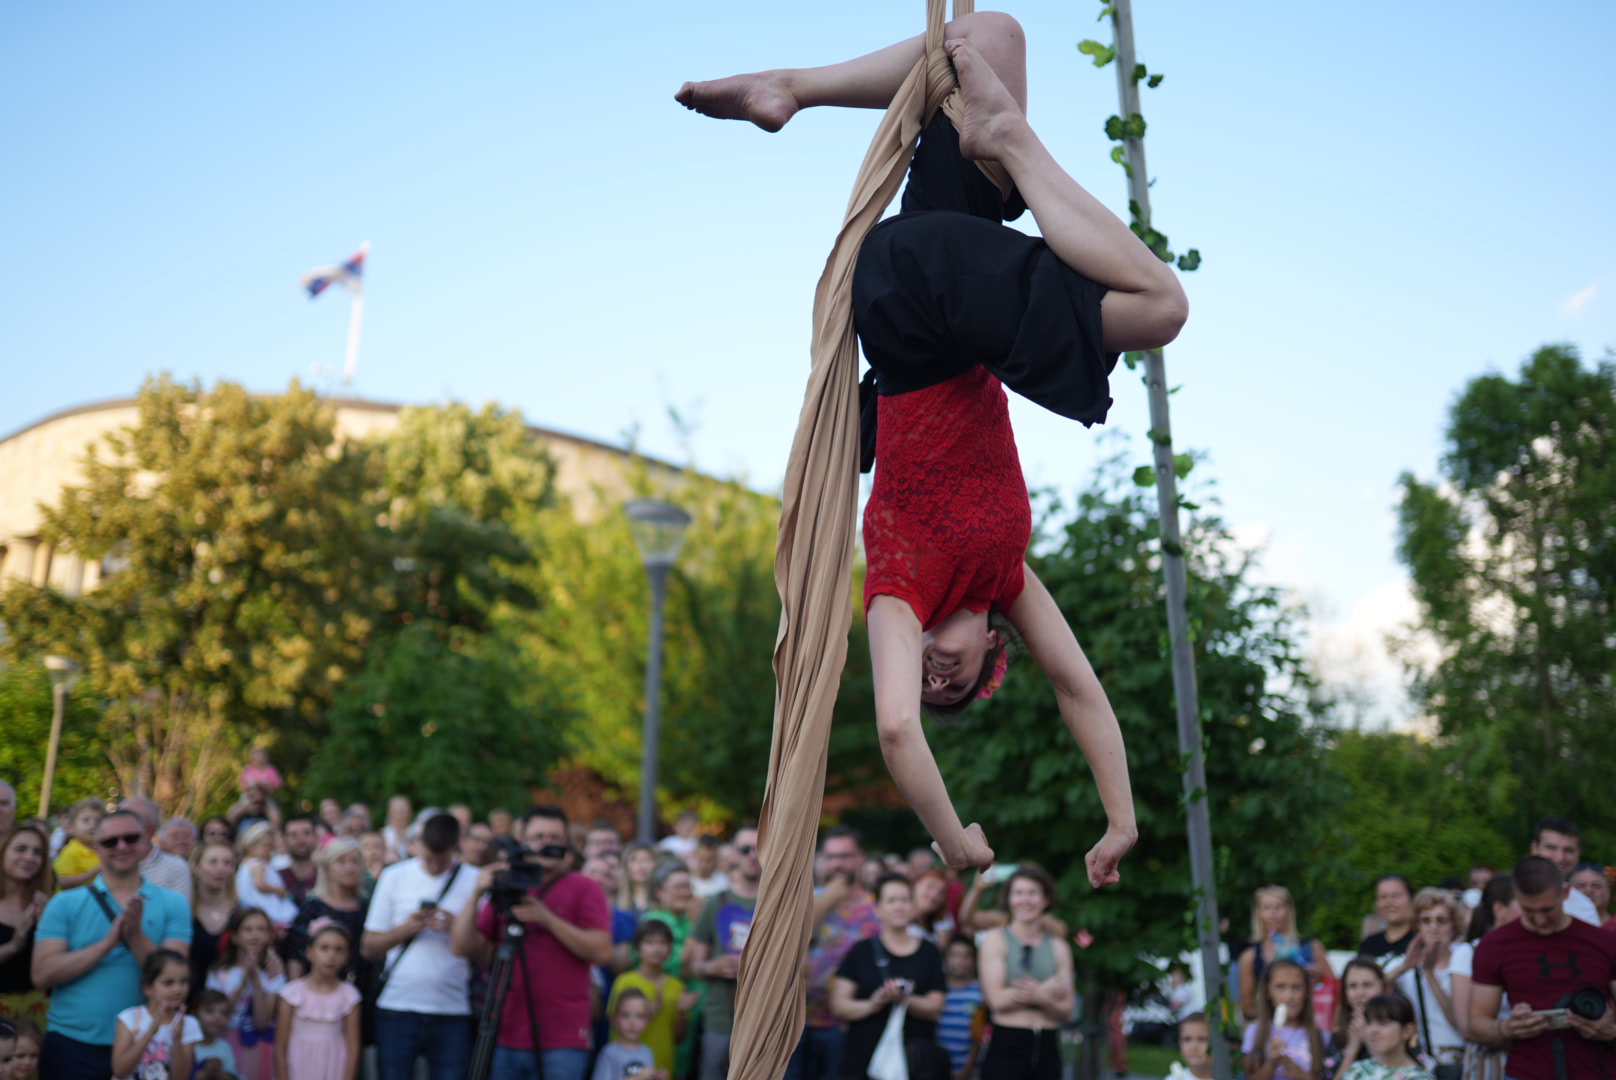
point(317, 1020)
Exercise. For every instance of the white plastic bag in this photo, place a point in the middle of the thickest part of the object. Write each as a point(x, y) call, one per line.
point(890, 1061)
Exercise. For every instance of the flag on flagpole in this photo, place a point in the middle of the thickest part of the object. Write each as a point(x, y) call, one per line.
point(349, 273)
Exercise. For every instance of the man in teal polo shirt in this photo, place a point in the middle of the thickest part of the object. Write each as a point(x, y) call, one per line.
point(89, 947)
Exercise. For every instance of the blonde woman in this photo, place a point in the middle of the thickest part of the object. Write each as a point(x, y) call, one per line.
point(1424, 975)
point(1274, 936)
point(337, 898)
point(213, 904)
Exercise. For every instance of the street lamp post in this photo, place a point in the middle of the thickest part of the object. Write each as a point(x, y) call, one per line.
point(658, 529)
point(64, 673)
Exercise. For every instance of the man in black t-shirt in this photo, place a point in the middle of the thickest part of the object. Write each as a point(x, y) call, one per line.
point(879, 972)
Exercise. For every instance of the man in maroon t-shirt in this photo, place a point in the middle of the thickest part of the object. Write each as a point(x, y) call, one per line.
point(1539, 961)
point(568, 928)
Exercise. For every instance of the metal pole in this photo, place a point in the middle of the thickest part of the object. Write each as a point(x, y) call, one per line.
point(59, 695)
point(1184, 689)
point(653, 704)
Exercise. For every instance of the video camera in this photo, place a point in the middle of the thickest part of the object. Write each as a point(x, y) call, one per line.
point(523, 872)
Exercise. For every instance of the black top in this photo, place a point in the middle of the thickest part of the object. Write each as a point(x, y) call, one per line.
point(1379, 946)
point(295, 945)
point(923, 967)
point(15, 976)
point(204, 950)
point(944, 286)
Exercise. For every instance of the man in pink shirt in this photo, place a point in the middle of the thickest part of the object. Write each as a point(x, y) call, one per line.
point(567, 927)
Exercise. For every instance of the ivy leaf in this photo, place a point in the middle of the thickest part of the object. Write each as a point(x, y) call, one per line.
point(1113, 127)
point(1109, 9)
point(1101, 54)
point(1139, 73)
point(1145, 476)
point(1134, 127)
point(1133, 359)
point(1154, 81)
point(1182, 464)
point(1190, 260)
point(1119, 155)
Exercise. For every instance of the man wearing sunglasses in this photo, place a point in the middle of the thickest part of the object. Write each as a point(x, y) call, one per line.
point(91, 943)
point(714, 951)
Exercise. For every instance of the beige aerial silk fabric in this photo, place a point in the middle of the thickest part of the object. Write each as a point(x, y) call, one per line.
point(813, 570)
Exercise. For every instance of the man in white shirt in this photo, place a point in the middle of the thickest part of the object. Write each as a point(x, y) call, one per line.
point(160, 868)
point(1560, 841)
point(424, 1009)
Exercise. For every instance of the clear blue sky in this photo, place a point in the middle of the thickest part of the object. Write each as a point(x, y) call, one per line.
point(1389, 200)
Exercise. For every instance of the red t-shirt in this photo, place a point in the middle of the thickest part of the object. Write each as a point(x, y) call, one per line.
point(948, 521)
point(1541, 969)
point(561, 980)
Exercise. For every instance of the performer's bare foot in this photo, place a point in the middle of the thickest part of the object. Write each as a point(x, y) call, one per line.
point(761, 97)
point(992, 116)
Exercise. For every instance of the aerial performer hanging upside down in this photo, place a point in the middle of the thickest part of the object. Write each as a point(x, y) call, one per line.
point(951, 306)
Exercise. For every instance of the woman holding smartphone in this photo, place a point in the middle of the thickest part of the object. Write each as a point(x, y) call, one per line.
point(880, 972)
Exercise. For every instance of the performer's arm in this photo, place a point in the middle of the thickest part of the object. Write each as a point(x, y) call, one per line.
point(1088, 716)
point(895, 657)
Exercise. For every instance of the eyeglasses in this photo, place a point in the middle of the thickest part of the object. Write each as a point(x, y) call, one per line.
point(1026, 957)
point(126, 839)
point(747, 850)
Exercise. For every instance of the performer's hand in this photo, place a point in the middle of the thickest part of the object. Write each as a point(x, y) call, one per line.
point(973, 850)
point(1103, 858)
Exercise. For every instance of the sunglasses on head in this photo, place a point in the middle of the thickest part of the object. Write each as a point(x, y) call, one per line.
point(126, 839)
point(747, 850)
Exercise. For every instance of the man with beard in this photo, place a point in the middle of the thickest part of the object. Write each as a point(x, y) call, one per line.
point(714, 951)
point(568, 928)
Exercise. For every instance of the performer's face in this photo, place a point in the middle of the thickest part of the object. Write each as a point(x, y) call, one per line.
point(952, 655)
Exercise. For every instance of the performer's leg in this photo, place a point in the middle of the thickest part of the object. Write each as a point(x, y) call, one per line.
point(1145, 307)
point(770, 98)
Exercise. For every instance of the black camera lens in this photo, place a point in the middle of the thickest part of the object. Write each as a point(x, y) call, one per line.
point(1587, 1003)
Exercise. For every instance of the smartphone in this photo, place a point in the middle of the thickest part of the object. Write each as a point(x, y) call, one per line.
point(428, 905)
point(1557, 1018)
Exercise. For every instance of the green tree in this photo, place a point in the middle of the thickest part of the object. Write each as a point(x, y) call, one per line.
point(1512, 556)
point(240, 592)
point(82, 768)
point(1014, 767)
point(721, 619)
point(446, 708)
point(446, 717)
point(1410, 808)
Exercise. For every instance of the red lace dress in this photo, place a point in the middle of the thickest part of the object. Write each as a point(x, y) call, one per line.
point(948, 521)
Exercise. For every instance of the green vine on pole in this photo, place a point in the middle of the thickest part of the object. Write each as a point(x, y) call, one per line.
point(1119, 130)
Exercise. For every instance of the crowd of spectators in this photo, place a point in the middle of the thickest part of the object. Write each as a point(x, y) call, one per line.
point(260, 945)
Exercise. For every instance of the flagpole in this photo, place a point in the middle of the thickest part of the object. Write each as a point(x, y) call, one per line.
point(356, 323)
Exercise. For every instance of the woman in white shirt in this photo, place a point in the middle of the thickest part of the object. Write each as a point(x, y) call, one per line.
point(1424, 975)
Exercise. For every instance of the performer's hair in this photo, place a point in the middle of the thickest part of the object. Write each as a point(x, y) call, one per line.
point(1008, 640)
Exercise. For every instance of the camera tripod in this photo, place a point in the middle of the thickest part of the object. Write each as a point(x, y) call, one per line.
point(506, 957)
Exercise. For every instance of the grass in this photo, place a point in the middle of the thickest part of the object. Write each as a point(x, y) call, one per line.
point(1150, 1059)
